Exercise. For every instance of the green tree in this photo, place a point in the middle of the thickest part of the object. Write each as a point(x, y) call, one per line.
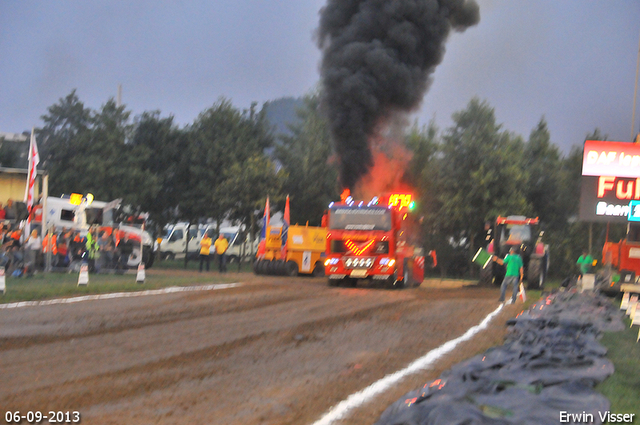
point(250, 183)
point(11, 154)
point(567, 241)
point(156, 148)
point(312, 181)
point(62, 140)
point(479, 176)
point(542, 162)
point(220, 137)
point(424, 145)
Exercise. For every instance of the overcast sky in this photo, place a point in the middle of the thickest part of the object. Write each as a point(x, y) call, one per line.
point(571, 61)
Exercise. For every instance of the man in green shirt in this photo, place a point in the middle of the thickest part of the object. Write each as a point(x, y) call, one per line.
point(585, 262)
point(514, 274)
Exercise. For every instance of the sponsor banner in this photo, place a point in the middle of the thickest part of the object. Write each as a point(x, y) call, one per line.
point(607, 199)
point(620, 159)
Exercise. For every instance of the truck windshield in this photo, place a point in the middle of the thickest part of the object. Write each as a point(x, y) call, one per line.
point(354, 218)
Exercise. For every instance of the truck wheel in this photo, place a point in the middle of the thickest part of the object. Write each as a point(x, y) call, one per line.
point(486, 276)
point(148, 258)
point(406, 275)
point(291, 268)
point(134, 258)
point(535, 274)
point(279, 268)
point(318, 270)
point(262, 267)
point(335, 282)
point(271, 267)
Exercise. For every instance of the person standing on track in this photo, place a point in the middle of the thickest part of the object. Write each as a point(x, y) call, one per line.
point(584, 263)
point(221, 246)
point(514, 274)
point(205, 248)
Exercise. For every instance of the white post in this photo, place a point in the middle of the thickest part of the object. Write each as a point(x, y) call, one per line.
point(45, 226)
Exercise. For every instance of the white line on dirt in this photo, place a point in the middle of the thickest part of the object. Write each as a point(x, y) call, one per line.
point(170, 290)
point(340, 410)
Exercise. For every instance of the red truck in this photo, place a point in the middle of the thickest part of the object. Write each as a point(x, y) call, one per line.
point(621, 260)
point(373, 240)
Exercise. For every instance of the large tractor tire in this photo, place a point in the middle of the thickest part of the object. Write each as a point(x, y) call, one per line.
point(535, 274)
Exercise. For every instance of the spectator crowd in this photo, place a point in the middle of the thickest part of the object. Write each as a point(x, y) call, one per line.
point(24, 254)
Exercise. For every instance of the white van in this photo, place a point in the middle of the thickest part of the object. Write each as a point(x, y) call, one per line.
point(237, 247)
point(173, 243)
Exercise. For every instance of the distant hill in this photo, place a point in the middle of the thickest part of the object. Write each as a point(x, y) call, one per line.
point(282, 112)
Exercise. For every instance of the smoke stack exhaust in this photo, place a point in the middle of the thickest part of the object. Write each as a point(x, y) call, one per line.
point(378, 56)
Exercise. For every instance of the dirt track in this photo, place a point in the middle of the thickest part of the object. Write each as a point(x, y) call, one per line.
point(273, 351)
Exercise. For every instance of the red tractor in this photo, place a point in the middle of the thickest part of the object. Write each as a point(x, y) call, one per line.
point(523, 233)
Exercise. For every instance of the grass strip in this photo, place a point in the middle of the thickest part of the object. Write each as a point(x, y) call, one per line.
point(44, 286)
point(623, 387)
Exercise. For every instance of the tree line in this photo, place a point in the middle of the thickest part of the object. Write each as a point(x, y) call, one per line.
point(228, 161)
point(464, 176)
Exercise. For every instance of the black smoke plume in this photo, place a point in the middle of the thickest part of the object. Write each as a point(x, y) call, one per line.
point(377, 59)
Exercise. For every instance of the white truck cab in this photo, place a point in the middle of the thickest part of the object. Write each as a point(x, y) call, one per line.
point(62, 213)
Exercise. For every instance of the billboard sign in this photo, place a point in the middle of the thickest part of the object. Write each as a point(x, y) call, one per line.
point(620, 159)
point(610, 181)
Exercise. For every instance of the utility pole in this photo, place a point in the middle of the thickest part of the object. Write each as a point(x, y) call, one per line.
point(119, 97)
point(635, 93)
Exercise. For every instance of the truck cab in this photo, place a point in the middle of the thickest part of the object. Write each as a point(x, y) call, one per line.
point(373, 241)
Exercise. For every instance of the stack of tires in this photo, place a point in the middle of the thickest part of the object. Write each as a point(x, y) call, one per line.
point(284, 268)
point(275, 267)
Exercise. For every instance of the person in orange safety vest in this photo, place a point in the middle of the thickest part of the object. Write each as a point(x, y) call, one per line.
point(54, 247)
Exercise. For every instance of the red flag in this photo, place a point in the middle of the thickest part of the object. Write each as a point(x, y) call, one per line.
point(286, 221)
point(34, 160)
